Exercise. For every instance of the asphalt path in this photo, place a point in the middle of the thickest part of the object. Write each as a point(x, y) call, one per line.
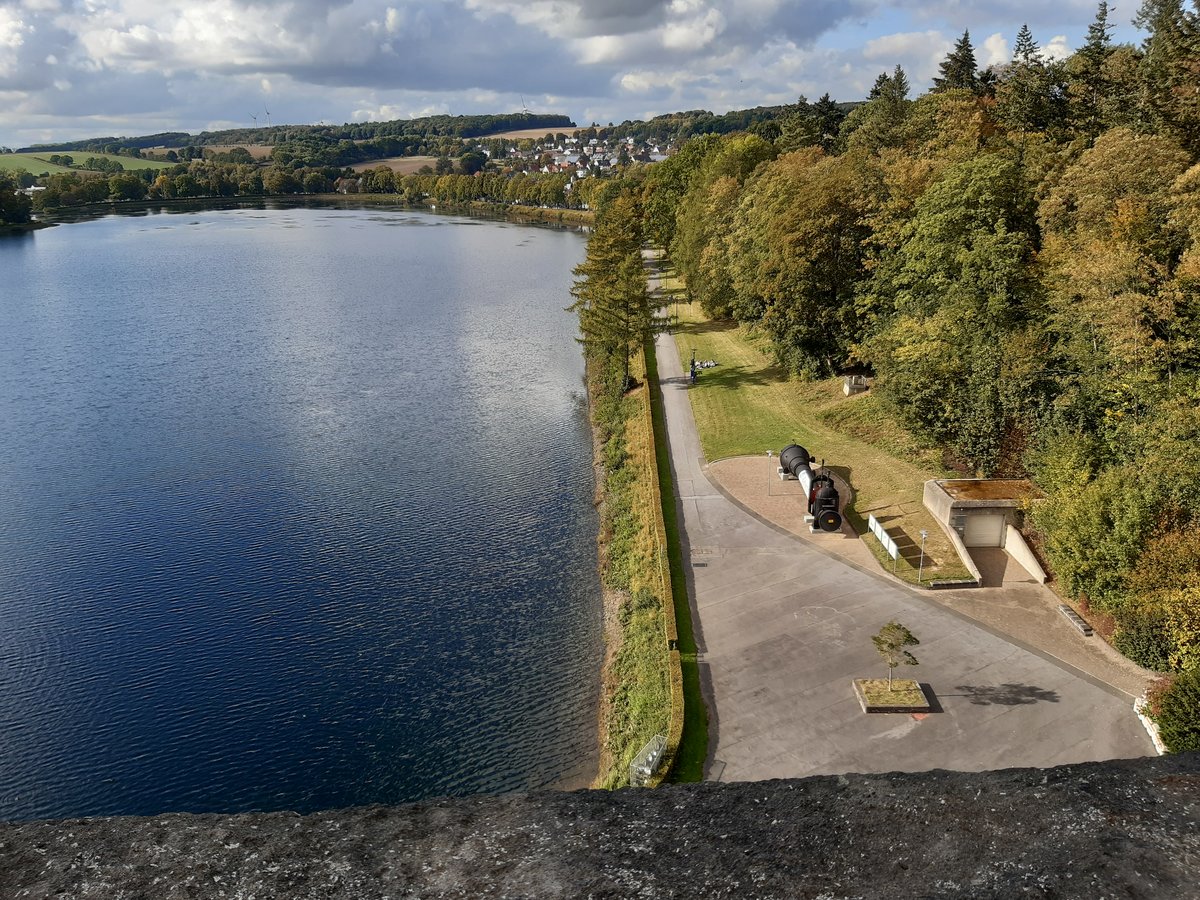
point(783, 627)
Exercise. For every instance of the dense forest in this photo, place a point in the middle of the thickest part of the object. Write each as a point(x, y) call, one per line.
point(765, 120)
point(1015, 257)
point(15, 208)
point(204, 178)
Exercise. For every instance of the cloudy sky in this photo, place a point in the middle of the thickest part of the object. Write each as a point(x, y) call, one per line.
point(84, 68)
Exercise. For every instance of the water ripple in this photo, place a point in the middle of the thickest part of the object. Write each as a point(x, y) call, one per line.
point(311, 528)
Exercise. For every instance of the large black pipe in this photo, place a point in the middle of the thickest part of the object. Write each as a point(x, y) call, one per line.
point(823, 499)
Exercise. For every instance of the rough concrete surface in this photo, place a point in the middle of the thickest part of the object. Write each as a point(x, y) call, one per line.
point(1117, 829)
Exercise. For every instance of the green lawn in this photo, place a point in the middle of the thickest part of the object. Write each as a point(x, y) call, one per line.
point(748, 405)
point(39, 164)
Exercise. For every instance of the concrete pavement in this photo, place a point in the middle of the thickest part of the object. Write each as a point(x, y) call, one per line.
point(783, 626)
point(1011, 603)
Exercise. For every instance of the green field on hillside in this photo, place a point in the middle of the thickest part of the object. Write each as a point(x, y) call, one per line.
point(39, 163)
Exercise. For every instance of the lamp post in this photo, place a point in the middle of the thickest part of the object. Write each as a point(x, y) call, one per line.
point(921, 567)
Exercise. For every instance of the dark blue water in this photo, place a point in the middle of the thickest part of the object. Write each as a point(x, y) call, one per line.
point(295, 513)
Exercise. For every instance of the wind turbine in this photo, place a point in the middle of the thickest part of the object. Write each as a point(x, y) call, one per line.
point(268, 112)
point(255, 118)
point(524, 108)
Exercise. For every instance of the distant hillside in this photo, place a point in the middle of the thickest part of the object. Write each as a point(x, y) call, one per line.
point(44, 163)
point(358, 143)
point(115, 145)
point(679, 126)
point(412, 129)
point(430, 134)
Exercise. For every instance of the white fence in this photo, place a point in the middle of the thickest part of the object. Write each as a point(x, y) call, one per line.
point(884, 538)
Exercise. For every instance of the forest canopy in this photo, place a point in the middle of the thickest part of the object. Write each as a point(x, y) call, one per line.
point(1015, 256)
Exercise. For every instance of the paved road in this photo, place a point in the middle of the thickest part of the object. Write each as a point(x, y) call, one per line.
point(783, 627)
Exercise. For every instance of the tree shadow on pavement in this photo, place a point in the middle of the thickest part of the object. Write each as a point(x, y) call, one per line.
point(1005, 694)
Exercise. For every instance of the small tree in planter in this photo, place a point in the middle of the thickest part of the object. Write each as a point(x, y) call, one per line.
point(890, 642)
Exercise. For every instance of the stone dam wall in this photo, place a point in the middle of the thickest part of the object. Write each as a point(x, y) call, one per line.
point(1115, 829)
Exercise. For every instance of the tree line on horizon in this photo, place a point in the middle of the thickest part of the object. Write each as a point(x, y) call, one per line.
point(462, 126)
point(1015, 257)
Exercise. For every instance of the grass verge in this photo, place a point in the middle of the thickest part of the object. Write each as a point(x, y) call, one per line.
point(747, 404)
point(641, 678)
point(904, 692)
point(693, 744)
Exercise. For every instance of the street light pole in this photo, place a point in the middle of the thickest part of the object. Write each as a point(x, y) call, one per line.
point(921, 567)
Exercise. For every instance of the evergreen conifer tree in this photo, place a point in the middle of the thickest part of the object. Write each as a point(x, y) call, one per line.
point(1170, 69)
point(614, 310)
point(1030, 93)
point(829, 118)
point(958, 69)
point(1089, 85)
point(1026, 48)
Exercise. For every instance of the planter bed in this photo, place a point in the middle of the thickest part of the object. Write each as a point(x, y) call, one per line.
point(906, 696)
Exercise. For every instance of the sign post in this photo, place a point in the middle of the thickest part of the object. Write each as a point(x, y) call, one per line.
point(921, 567)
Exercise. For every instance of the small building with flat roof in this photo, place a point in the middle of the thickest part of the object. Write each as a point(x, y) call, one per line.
point(982, 512)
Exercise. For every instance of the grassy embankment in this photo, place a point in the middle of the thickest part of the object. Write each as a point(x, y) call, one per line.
point(642, 691)
point(402, 165)
point(747, 405)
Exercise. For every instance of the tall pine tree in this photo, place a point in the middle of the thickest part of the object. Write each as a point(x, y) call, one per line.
point(958, 69)
point(615, 315)
point(1170, 69)
point(1088, 84)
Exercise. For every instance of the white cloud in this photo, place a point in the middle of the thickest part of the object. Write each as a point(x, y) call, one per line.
point(919, 52)
point(995, 51)
point(1058, 48)
point(640, 82)
point(601, 49)
point(891, 46)
point(12, 29)
point(138, 66)
point(694, 33)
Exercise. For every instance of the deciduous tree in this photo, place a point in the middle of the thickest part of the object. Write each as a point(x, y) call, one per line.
point(891, 642)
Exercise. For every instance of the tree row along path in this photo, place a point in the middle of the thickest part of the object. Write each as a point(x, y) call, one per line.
point(784, 625)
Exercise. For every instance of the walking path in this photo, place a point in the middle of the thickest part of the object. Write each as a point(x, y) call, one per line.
point(783, 625)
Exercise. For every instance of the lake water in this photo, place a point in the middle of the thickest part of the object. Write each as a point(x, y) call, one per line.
point(295, 513)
